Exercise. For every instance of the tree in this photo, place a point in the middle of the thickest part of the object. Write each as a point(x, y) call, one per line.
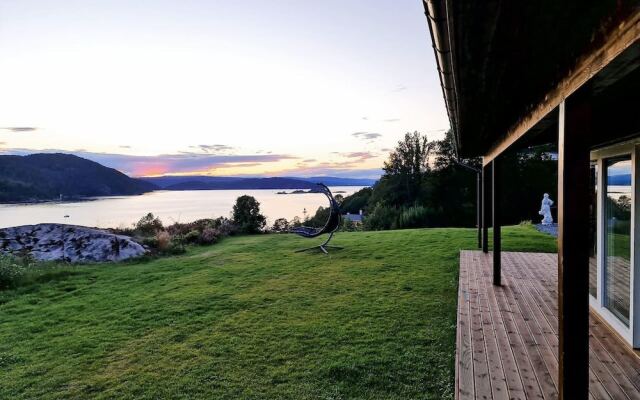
point(357, 201)
point(407, 164)
point(148, 225)
point(246, 215)
point(280, 225)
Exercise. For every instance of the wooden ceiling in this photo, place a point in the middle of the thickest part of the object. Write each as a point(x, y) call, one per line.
point(508, 56)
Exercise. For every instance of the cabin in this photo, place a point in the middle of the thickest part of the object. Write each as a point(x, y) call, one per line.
point(520, 74)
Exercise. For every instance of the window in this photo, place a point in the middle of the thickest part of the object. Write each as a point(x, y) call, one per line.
point(617, 239)
point(593, 231)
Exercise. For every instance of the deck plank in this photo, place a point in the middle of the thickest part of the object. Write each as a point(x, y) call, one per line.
point(499, 389)
point(481, 377)
point(465, 354)
point(507, 336)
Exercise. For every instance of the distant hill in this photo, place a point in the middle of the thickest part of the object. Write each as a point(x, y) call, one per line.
point(619, 180)
point(47, 176)
point(231, 183)
point(333, 181)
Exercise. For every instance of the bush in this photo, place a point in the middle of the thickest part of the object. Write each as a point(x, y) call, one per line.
point(192, 236)
point(246, 215)
point(148, 225)
point(11, 272)
point(173, 239)
point(281, 225)
point(381, 218)
point(163, 240)
point(225, 226)
point(295, 222)
point(320, 217)
point(209, 236)
point(413, 217)
point(350, 226)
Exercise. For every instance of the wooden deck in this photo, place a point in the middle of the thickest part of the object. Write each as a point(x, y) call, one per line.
point(507, 342)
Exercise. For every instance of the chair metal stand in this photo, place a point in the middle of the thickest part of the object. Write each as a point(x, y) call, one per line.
point(330, 227)
point(323, 247)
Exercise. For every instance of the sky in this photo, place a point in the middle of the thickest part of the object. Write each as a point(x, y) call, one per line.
point(218, 87)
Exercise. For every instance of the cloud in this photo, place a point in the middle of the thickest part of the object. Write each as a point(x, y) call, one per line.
point(368, 136)
point(212, 148)
point(365, 118)
point(165, 163)
point(308, 160)
point(392, 120)
point(125, 147)
point(353, 162)
point(329, 169)
point(20, 129)
point(399, 88)
point(386, 150)
point(360, 155)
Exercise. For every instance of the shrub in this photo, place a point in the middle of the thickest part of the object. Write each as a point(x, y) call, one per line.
point(163, 240)
point(11, 272)
point(209, 236)
point(413, 217)
point(246, 215)
point(281, 225)
point(382, 217)
point(350, 226)
point(148, 225)
point(192, 236)
point(320, 217)
point(295, 222)
point(225, 226)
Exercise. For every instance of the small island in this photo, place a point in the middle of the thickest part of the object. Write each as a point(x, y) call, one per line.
point(298, 191)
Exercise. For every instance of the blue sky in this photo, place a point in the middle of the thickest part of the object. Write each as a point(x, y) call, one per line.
point(218, 87)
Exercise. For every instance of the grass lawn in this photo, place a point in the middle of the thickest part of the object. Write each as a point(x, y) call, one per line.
point(248, 319)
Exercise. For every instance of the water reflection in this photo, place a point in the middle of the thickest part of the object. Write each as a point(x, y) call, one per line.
point(170, 206)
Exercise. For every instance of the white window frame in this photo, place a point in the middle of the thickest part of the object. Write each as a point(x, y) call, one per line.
point(630, 334)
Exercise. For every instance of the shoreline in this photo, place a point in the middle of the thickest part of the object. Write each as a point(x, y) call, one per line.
point(94, 198)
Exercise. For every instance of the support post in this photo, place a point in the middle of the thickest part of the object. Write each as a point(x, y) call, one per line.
point(573, 248)
point(486, 206)
point(497, 244)
point(479, 207)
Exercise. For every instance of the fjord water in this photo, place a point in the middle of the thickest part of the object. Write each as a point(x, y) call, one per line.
point(170, 206)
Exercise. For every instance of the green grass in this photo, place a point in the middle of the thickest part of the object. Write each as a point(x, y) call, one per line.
point(247, 319)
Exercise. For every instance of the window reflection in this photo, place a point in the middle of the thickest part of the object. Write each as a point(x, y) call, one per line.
point(593, 228)
point(617, 209)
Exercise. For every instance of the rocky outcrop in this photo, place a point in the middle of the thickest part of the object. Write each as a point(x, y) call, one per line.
point(76, 244)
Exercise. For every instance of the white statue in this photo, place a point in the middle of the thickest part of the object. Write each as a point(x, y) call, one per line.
point(545, 210)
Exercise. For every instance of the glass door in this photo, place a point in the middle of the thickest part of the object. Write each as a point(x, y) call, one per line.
point(593, 230)
point(617, 240)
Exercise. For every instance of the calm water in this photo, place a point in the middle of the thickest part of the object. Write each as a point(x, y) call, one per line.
point(183, 206)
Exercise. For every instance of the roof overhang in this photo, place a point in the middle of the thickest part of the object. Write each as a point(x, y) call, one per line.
point(504, 66)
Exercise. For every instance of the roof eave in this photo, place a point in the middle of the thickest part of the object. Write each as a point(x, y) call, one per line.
point(439, 21)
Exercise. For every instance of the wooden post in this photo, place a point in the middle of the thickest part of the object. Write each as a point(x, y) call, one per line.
point(495, 213)
point(479, 207)
point(573, 245)
point(486, 207)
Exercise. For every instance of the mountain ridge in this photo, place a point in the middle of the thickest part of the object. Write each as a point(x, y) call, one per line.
point(52, 176)
point(193, 182)
point(42, 177)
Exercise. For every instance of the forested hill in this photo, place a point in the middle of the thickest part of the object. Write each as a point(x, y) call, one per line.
point(47, 176)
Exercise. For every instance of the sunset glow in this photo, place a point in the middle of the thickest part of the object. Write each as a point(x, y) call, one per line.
point(175, 87)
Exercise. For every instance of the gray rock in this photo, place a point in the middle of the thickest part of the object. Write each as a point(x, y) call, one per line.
point(76, 244)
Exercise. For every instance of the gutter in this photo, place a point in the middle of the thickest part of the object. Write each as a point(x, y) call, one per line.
point(440, 28)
